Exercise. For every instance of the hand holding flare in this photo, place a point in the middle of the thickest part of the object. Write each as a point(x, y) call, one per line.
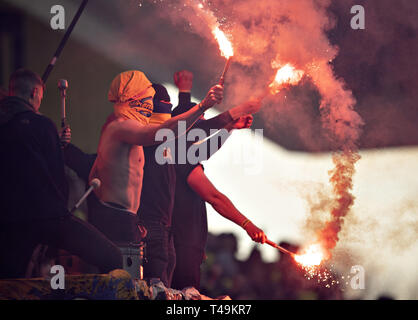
point(226, 50)
point(311, 257)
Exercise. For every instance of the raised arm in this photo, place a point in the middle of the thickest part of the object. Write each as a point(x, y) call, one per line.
point(218, 122)
point(200, 184)
point(229, 118)
point(215, 141)
point(184, 81)
point(130, 132)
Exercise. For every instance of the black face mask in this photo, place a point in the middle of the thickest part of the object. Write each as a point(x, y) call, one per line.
point(162, 107)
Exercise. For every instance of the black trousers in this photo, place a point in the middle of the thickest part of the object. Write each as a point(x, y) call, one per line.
point(187, 270)
point(117, 224)
point(160, 254)
point(17, 242)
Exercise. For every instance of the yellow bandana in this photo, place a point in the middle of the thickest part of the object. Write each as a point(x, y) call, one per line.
point(132, 94)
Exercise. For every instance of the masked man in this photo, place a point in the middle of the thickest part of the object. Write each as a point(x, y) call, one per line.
point(120, 157)
point(159, 183)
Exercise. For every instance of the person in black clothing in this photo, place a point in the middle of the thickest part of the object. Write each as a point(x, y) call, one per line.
point(184, 82)
point(159, 188)
point(193, 190)
point(79, 161)
point(32, 200)
point(157, 200)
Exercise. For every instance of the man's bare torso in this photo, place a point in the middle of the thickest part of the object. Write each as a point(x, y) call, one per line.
point(119, 166)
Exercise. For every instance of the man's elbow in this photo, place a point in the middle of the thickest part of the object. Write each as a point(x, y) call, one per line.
point(214, 198)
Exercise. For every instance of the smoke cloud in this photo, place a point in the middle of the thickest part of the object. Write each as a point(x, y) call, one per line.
point(267, 34)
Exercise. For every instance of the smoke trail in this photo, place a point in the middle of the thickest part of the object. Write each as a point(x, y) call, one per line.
point(341, 179)
point(343, 125)
point(268, 33)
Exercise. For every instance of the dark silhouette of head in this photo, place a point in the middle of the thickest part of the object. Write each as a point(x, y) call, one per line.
point(27, 85)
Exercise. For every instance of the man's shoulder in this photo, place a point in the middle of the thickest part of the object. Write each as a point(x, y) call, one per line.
point(125, 126)
point(34, 119)
point(117, 124)
point(42, 122)
point(121, 122)
point(36, 126)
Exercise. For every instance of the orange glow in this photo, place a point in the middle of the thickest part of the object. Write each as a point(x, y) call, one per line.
point(311, 256)
point(286, 75)
point(224, 44)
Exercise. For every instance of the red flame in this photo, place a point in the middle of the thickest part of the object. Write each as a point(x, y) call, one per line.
point(286, 75)
point(225, 45)
point(312, 256)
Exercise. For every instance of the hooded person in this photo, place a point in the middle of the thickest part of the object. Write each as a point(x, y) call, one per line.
point(157, 200)
point(162, 105)
point(120, 157)
point(132, 95)
point(159, 193)
point(157, 197)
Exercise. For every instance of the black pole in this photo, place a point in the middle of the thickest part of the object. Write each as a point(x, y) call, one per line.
point(64, 41)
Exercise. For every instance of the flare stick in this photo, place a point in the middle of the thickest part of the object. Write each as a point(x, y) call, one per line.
point(222, 80)
point(274, 245)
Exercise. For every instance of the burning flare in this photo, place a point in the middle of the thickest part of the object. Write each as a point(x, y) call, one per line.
point(286, 75)
point(311, 256)
point(225, 45)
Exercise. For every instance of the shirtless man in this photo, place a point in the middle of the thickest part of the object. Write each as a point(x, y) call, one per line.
point(120, 157)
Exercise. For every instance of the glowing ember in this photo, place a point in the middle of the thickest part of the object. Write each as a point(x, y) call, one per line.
point(312, 256)
point(286, 75)
point(224, 44)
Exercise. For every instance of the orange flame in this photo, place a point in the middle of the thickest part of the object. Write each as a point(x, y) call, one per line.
point(286, 75)
point(311, 256)
point(224, 44)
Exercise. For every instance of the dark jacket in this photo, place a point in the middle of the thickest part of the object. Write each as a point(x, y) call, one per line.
point(79, 161)
point(32, 178)
point(189, 217)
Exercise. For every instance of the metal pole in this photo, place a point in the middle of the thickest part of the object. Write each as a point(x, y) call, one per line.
point(62, 86)
point(63, 41)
